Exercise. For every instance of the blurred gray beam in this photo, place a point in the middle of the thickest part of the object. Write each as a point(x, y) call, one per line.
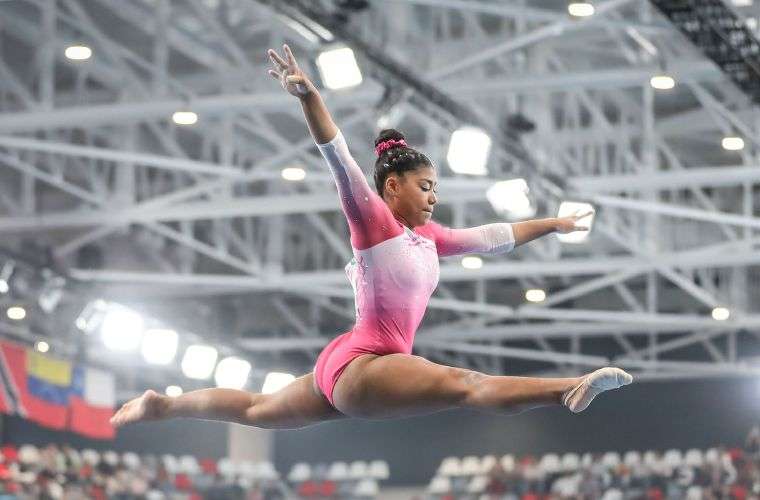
point(127, 157)
point(513, 352)
point(729, 256)
point(530, 13)
point(695, 177)
point(558, 28)
point(560, 329)
point(127, 112)
point(676, 211)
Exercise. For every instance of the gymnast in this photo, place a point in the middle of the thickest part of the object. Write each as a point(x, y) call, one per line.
point(369, 371)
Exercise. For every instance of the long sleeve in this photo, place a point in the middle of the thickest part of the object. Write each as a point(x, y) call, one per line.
point(486, 239)
point(369, 218)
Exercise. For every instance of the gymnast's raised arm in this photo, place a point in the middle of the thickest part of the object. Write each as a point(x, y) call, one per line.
point(296, 83)
point(364, 210)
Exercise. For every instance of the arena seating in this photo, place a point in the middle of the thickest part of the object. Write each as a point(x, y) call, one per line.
point(63, 472)
point(692, 474)
point(339, 480)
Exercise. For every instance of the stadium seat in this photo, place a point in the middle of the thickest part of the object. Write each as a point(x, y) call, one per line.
point(694, 458)
point(550, 463)
point(440, 485)
point(338, 471)
point(379, 470)
point(208, 466)
point(358, 470)
point(611, 459)
point(672, 458)
point(712, 456)
point(308, 489)
point(226, 467)
point(266, 471)
point(366, 488)
point(477, 484)
point(652, 459)
point(10, 453)
point(694, 493)
point(28, 454)
point(571, 462)
point(189, 465)
point(110, 457)
point(247, 469)
point(450, 466)
point(131, 460)
point(470, 466)
point(171, 463)
point(613, 494)
point(300, 472)
point(632, 458)
point(507, 463)
point(327, 488)
point(90, 457)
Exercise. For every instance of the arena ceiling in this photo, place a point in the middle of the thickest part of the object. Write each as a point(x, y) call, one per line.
point(195, 226)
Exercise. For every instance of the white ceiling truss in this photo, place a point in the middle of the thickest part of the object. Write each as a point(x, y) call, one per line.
point(196, 225)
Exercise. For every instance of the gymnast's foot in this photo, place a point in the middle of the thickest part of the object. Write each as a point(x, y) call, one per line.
point(579, 397)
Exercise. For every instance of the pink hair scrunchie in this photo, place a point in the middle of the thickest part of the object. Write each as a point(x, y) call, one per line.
point(390, 143)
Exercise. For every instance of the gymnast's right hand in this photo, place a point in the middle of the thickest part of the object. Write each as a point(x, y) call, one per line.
point(287, 72)
point(150, 406)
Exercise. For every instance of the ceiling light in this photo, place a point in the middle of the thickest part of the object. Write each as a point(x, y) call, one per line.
point(159, 346)
point(184, 118)
point(468, 151)
point(122, 328)
point(720, 314)
point(339, 69)
point(275, 381)
point(173, 391)
point(78, 52)
point(732, 143)
point(580, 9)
point(662, 82)
point(199, 361)
point(293, 174)
point(510, 198)
point(535, 295)
point(232, 373)
point(16, 313)
point(472, 262)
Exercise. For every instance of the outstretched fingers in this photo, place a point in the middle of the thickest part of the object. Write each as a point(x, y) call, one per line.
point(289, 55)
point(278, 61)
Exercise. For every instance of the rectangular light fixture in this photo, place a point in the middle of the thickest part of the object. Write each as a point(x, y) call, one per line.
point(199, 361)
point(510, 199)
point(339, 69)
point(468, 151)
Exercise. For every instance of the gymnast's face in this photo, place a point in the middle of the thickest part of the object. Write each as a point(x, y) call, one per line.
point(412, 195)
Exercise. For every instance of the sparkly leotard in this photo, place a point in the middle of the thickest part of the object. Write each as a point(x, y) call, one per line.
point(394, 270)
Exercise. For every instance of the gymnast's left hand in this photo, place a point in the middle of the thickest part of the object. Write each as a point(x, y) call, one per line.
point(573, 223)
point(287, 72)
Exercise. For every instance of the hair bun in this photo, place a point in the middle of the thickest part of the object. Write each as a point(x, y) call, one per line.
point(389, 134)
point(389, 139)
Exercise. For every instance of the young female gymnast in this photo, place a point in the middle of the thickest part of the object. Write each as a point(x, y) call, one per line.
point(369, 372)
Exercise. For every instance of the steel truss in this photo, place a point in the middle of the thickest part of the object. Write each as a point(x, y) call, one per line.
point(196, 226)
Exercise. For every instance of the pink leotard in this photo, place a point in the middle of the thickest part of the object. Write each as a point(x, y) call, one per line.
point(394, 270)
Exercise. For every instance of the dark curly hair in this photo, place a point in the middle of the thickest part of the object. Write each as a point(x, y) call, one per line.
point(396, 159)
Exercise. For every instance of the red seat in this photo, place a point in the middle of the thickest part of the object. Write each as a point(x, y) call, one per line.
point(10, 453)
point(308, 489)
point(182, 482)
point(327, 488)
point(208, 466)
